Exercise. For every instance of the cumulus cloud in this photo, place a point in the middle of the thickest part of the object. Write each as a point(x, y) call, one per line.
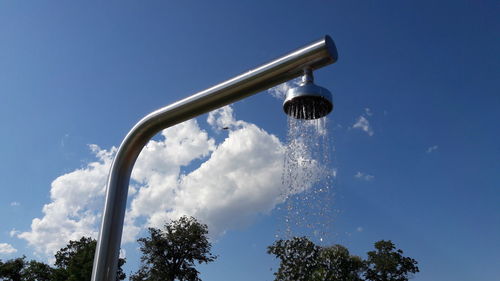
point(279, 91)
point(223, 118)
point(241, 178)
point(74, 211)
point(363, 176)
point(238, 178)
point(6, 248)
point(364, 125)
point(15, 204)
point(431, 149)
point(14, 232)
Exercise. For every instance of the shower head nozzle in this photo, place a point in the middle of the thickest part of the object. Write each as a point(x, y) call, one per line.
point(308, 101)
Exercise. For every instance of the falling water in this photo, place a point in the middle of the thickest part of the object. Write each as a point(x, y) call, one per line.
point(307, 180)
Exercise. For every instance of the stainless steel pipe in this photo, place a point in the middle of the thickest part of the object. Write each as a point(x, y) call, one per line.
point(315, 55)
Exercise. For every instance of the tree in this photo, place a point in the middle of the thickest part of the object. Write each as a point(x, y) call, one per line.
point(302, 260)
point(74, 262)
point(12, 270)
point(20, 270)
point(171, 253)
point(335, 263)
point(37, 271)
point(299, 258)
point(388, 264)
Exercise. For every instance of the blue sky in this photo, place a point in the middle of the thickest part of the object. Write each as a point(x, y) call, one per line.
point(420, 78)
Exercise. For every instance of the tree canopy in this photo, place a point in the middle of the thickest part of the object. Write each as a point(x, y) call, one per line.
point(72, 263)
point(19, 269)
point(171, 253)
point(38, 271)
point(299, 258)
point(302, 260)
point(12, 269)
point(337, 264)
point(388, 264)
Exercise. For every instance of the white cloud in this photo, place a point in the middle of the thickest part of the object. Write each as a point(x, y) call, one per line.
point(360, 229)
point(280, 91)
point(14, 232)
point(223, 118)
point(123, 254)
point(431, 149)
point(15, 204)
point(6, 248)
point(74, 211)
point(368, 112)
point(238, 179)
point(363, 176)
point(364, 125)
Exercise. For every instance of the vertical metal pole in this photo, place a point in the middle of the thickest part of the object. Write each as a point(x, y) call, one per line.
point(315, 55)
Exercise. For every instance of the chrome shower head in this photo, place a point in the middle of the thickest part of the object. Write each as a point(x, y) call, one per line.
point(308, 101)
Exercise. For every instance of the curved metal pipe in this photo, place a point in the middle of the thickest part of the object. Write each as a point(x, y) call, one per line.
point(315, 55)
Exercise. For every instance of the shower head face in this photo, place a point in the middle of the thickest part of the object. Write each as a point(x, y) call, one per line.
point(308, 101)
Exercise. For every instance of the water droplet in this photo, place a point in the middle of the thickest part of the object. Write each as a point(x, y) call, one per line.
point(307, 178)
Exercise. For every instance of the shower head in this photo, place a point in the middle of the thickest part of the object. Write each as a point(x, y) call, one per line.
point(308, 101)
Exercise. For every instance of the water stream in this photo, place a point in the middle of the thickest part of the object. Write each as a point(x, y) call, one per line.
point(307, 179)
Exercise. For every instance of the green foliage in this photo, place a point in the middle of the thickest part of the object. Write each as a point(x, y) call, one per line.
point(299, 258)
point(12, 270)
point(74, 262)
point(337, 264)
point(171, 253)
point(389, 264)
point(302, 260)
point(38, 271)
point(20, 270)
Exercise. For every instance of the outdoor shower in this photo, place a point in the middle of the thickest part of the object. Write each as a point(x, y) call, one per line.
point(307, 101)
